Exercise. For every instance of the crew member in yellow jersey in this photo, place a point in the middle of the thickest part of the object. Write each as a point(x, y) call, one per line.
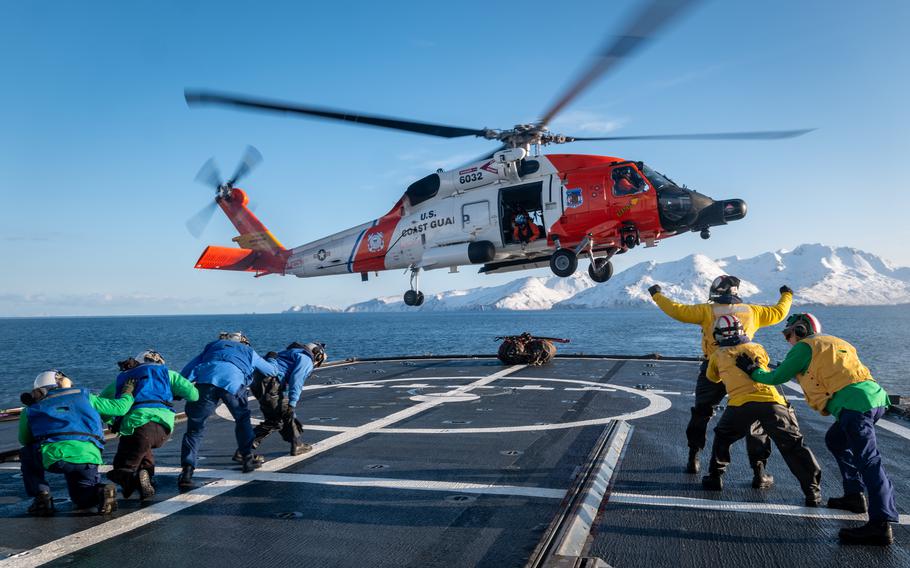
point(836, 382)
point(724, 300)
point(751, 402)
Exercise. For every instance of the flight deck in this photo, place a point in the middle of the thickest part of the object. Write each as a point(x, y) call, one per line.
point(464, 461)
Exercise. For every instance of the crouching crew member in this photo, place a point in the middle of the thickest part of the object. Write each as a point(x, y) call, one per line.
point(61, 431)
point(222, 373)
point(278, 395)
point(723, 300)
point(751, 402)
point(149, 422)
point(836, 382)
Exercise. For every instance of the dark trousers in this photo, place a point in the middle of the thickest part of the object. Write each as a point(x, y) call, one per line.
point(707, 395)
point(273, 403)
point(852, 441)
point(134, 452)
point(778, 422)
point(199, 411)
point(82, 479)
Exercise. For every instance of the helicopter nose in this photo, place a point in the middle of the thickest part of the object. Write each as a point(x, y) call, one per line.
point(719, 213)
point(734, 209)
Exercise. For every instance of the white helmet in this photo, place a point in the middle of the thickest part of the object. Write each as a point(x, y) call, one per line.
point(727, 328)
point(149, 356)
point(48, 379)
point(234, 336)
point(318, 352)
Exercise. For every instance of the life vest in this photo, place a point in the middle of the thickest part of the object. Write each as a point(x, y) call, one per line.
point(834, 365)
point(743, 313)
point(65, 414)
point(525, 233)
point(227, 351)
point(740, 387)
point(153, 386)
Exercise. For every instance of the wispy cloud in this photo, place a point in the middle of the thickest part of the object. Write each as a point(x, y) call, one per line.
point(586, 122)
point(107, 303)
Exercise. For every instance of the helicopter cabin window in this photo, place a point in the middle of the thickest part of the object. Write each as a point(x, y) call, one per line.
point(423, 189)
point(627, 181)
point(521, 214)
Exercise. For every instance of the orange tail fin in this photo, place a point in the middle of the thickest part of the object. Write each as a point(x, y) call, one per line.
point(253, 234)
point(244, 260)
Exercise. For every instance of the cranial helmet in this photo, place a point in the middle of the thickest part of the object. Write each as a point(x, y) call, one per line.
point(802, 325)
point(317, 350)
point(149, 356)
point(521, 218)
point(234, 336)
point(51, 379)
point(724, 286)
point(728, 329)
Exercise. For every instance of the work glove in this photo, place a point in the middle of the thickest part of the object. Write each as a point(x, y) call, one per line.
point(287, 413)
point(271, 355)
point(746, 364)
point(654, 289)
point(26, 399)
point(128, 387)
point(785, 288)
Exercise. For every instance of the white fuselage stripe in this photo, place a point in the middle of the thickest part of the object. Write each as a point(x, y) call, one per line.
point(738, 507)
point(83, 539)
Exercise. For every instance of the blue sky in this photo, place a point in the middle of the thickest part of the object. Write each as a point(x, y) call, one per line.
point(98, 149)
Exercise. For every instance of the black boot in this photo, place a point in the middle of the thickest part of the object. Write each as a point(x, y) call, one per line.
point(185, 479)
point(42, 506)
point(107, 498)
point(713, 482)
point(252, 462)
point(877, 533)
point(298, 448)
point(693, 464)
point(814, 499)
point(125, 478)
point(855, 503)
point(146, 488)
point(760, 479)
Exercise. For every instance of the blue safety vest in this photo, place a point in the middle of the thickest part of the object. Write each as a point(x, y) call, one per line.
point(232, 352)
point(153, 386)
point(65, 414)
point(286, 361)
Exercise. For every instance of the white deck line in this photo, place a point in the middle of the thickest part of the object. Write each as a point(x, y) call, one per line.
point(83, 539)
point(882, 423)
point(739, 507)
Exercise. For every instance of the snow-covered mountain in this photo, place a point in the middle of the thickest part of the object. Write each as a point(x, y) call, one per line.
point(311, 309)
point(818, 274)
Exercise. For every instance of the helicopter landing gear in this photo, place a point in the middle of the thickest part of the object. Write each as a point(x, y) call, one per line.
point(600, 270)
point(705, 234)
point(564, 262)
point(413, 297)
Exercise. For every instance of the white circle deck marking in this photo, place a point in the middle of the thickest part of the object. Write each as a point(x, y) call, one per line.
point(656, 405)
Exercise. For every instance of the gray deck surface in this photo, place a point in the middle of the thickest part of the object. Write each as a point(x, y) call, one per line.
point(388, 489)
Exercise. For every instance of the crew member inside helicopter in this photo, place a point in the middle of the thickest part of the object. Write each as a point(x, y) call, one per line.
point(524, 229)
point(627, 181)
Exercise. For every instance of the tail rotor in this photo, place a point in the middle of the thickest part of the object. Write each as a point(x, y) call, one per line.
point(210, 176)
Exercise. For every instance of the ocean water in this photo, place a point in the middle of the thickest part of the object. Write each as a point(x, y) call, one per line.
point(87, 349)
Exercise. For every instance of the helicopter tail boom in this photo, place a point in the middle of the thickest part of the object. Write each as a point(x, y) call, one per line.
point(243, 260)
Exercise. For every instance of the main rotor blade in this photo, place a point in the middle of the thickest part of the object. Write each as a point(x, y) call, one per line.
point(209, 174)
point(758, 135)
point(637, 32)
point(198, 222)
point(251, 159)
point(227, 99)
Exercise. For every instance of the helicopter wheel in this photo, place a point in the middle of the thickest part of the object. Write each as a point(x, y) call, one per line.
point(600, 270)
point(419, 300)
point(563, 262)
point(411, 297)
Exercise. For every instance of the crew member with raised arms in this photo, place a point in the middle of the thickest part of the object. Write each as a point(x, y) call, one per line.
point(149, 422)
point(222, 373)
point(278, 396)
point(751, 402)
point(61, 431)
point(724, 299)
point(835, 382)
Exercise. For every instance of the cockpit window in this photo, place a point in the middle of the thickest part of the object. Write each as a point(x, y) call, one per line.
point(657, 179)
point(627, 181)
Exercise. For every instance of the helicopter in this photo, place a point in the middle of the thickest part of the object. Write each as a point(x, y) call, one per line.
point(514, 208)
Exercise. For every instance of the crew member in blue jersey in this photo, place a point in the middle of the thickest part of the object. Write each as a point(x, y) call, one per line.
point(222, 373)
point(149, 422)
point(278, 396)
point(61, 431)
